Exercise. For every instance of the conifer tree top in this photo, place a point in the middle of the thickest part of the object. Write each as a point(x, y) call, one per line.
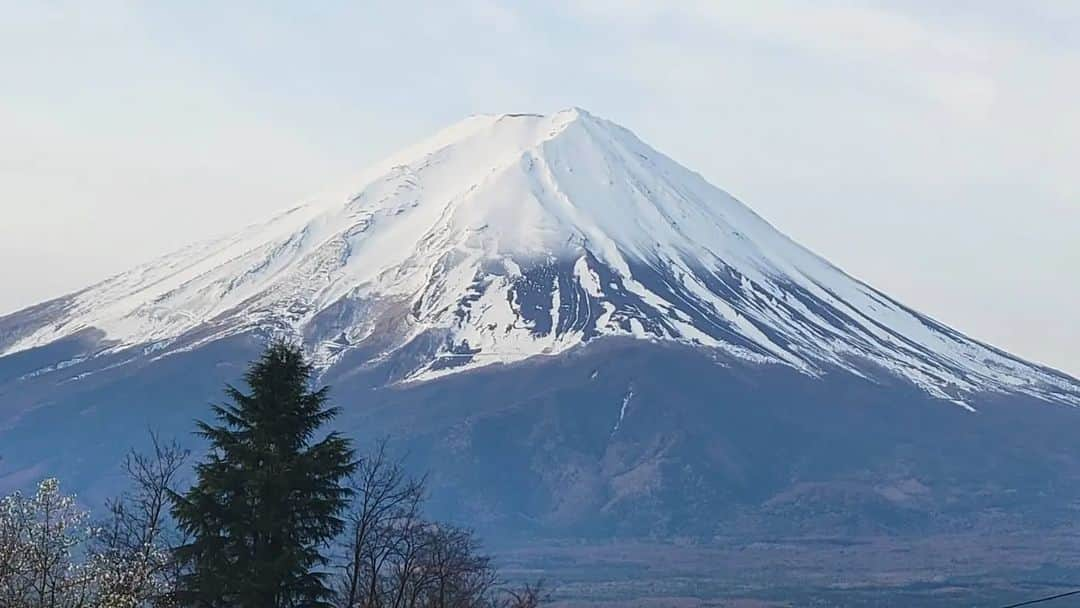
point(268, 496)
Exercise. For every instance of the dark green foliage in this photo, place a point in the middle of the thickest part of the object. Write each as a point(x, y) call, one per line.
point(268, 496)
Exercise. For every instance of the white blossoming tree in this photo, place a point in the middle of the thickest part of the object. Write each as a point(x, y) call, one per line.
point(41, 536)
point(51, 557)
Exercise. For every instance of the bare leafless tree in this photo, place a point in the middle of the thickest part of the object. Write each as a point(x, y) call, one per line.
point(526, 596)
point(393, 557)
point(384, 497)
point(132, 550)
point(456, 572)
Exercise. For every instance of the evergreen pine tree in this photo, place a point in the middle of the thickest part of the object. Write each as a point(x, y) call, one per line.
point(268, 497)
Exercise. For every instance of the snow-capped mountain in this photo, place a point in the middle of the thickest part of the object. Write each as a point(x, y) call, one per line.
point(505, 237)
point(576, 336)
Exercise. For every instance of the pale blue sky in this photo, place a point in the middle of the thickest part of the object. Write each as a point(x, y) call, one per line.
point(930, 151)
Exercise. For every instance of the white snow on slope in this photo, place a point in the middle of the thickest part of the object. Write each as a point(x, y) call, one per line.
point(513, 236)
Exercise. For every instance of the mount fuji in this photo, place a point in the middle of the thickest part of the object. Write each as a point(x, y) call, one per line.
point(574, 334)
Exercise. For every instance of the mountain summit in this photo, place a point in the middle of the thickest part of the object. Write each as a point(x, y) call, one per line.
point(505, 237)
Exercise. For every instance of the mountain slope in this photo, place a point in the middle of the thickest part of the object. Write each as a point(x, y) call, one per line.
point(506, 237)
